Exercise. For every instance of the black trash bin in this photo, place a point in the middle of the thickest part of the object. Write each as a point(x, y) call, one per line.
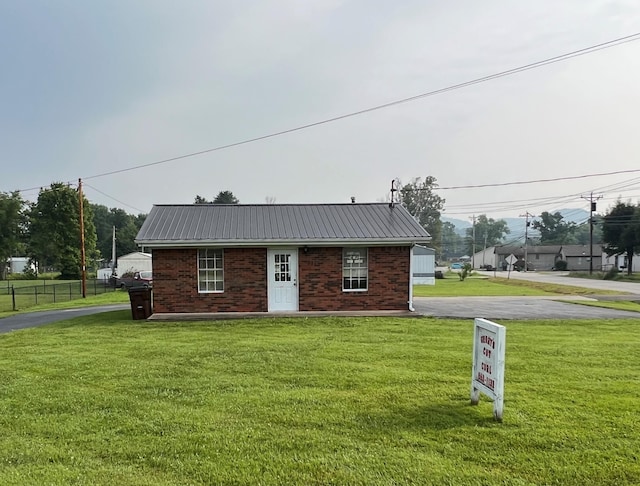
point(140, 298)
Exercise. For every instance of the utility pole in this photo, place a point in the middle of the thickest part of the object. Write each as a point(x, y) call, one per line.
point(526, 215)
point(113, 251)
point(473, 244)
point(485, 247)
point(592, 208)
point(82, 254)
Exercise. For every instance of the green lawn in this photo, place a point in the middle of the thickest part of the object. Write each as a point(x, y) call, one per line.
point(453, 286)
point(26, 305)
point(106, 400)
point(618, 305)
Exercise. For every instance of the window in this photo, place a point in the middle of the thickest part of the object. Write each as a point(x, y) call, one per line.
point(210, 270)
point(354, 269)
point(282, 268)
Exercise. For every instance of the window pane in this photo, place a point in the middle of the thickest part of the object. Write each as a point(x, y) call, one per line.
point(354, 269)
point(210, 270)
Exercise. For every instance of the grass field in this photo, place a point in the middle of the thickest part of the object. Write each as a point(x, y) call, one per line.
point(40, 294)
point(452, 286)
point(618, 305)
point(106, 400)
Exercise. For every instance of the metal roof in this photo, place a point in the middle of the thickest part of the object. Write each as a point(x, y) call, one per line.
point(244, 225)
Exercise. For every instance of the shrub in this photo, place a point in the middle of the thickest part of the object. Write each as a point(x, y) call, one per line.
point(611, 274)
point(466, 270)
point(560, 265)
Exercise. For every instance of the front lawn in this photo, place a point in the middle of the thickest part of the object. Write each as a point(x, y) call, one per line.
point(498, 286)
point(106, 400)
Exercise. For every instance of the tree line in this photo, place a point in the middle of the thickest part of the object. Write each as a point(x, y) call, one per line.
point(48, 231)
point(618, 230)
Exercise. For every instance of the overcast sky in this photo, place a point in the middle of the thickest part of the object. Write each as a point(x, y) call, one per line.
point(91, 87)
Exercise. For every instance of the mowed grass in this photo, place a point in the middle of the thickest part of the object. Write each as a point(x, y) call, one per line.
point(112, 297)
point(106, 400)
point(497, 286)
point(618, 305)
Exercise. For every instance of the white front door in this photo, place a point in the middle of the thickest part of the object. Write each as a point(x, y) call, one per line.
point(282, 275)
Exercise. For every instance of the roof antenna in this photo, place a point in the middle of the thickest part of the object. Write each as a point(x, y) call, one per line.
point(392, 203)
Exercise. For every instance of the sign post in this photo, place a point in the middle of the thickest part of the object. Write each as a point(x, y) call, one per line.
point(488, 364)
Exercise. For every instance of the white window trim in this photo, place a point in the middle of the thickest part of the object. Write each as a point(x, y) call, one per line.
point(221, 269)
point(345, 249)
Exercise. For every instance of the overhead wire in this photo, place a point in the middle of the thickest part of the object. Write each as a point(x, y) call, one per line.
point(111, 197)
point(563, 57)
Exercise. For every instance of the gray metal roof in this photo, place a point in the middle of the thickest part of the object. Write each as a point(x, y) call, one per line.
point(244, 225)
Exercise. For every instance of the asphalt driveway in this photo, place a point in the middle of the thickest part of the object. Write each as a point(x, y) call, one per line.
point(34, 319)
point(515, 308)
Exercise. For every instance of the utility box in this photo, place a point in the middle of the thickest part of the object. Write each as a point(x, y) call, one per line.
point(140, 299)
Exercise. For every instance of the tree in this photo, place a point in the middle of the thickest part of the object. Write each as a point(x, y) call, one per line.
point(226, 197)
point(452, 244)
point(488, 232)
point(127, 227)
point(553, 230)
point(12, 219)
point(223, 197)
point(55, 231)
point(582, 233)
point(420, 199)
point(621, 231)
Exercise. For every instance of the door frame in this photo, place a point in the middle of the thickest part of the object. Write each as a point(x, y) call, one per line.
point(294, 274)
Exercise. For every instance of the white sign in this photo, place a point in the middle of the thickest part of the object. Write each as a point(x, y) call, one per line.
point(488, 364)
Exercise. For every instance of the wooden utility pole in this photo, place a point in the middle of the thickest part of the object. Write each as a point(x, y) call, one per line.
point(82, 254)
point(113, 252)
point(526, 237)
point(473, 244)
point(592, 208)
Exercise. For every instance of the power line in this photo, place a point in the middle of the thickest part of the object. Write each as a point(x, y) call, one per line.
point(536, 181)
point(111, 197)
point(509, 72)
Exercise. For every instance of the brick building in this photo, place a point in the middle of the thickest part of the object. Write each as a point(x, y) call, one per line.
point(281, 257)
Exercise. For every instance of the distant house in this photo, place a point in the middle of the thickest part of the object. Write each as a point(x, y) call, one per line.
point(621, 262)
point(578, 257)
point(19, 264)
point(424, 265)
point(541, 257)
point(134, 262)
point(281, 258)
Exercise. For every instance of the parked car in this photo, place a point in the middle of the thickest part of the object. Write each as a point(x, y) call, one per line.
point(136, 279)
point(456, 266)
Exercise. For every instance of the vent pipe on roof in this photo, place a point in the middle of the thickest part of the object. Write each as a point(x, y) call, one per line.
point(353, 199)
point(392, 203)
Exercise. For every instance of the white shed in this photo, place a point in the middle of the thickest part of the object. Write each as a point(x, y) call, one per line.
point(134, 262)
point(19, 264)
point(424, 265)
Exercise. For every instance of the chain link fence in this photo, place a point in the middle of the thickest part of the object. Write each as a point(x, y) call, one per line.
point(23, 297)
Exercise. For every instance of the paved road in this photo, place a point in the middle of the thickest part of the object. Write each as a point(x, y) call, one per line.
point(33, 319)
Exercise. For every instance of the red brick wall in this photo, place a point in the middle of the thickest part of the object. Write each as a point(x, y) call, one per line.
point(320, 280)
point(175, 281)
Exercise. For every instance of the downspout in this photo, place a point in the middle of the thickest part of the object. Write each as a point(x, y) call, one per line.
point(411, 278)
